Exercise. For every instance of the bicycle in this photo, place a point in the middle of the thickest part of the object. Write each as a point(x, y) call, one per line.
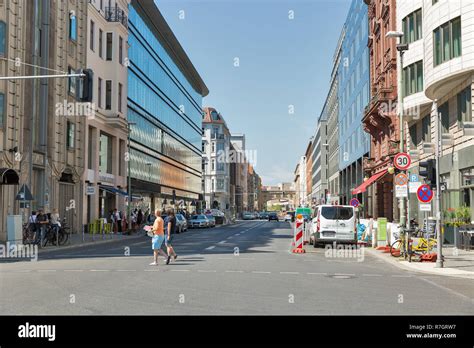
point(29, 233)
point(62, 233)
point(403, 245)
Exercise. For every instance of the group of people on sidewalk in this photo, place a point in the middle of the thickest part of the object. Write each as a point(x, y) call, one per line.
point(39, 221)
point(159, 228)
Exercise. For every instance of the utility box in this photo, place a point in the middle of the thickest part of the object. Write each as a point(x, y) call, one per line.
point(14, 229)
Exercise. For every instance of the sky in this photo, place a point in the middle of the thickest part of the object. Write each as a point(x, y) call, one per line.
point(284, 51)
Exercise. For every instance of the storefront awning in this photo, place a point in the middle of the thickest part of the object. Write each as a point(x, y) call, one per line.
point(368, 182)
point(117, 191)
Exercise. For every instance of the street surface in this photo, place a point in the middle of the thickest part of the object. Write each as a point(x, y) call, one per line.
point(212, 277)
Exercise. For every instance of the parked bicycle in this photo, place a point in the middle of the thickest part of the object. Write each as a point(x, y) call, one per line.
point(60, 232)
point(29, 233)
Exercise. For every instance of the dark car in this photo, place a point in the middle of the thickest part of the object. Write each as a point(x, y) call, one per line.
point(272, 216)
point(263, 216)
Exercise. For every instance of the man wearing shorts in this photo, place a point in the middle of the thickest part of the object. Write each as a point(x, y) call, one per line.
point(158, 238)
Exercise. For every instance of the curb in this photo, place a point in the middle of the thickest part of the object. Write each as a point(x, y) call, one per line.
point(86, 244)
point(407, 267)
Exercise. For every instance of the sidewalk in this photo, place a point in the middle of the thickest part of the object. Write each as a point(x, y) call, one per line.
point(76, 240)
point(457, 263)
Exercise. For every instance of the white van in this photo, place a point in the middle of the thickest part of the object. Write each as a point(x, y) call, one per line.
point(333, 223)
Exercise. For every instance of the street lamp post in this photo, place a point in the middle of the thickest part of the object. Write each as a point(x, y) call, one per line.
point(129, 205)
point(401, 48)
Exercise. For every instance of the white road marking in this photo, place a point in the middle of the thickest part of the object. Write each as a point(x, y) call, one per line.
point(126, 270)
point(238, 234)
point(344, 274)
point(73, 270)
point(289, 272)
point(99, 270)
point(401, 276)
point(47, 270)
point(180, 270)
point(221, 242)
point(234, 271)
point(371, 275)
point(206, 271)
point(211, 247)
point(316, 273)
point(263, 272)
point(451, 291)
point(151, 270)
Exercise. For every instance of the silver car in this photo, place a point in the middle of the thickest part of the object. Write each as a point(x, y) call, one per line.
point(181, 223)
point(197, 221)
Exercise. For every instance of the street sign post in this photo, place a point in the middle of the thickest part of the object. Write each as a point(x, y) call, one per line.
point(425, 206)
point(354, 202)
point(402, 161)
point(424, 194)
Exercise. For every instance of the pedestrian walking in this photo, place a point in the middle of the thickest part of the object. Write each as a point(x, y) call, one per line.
point(158, 238)
point(118, 219)
point(139, 217)
point(170, 229)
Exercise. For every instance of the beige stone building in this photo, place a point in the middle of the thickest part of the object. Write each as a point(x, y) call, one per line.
point(105, 177)
point(41, 142)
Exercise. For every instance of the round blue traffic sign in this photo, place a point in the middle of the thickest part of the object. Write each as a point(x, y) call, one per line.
point(424, 194)
point(354, 202)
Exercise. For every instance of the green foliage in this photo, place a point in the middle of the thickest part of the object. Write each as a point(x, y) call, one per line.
point(457, 217)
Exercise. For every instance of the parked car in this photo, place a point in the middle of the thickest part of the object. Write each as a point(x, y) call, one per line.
point(288, 218)
point(212, 220)
point(198, 221)
point(272, 216)
point(247, 216)
point(334, 224)
point(263, 216)
point(181, 223)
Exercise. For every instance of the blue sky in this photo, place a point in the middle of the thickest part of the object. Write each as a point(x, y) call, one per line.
point(282, 62)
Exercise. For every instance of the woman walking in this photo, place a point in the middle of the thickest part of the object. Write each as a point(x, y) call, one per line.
point(158, 238)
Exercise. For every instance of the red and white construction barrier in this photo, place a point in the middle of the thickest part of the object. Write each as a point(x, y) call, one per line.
point(298, 236)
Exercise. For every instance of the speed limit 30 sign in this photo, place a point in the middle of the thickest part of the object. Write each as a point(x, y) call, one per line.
point(402, 161)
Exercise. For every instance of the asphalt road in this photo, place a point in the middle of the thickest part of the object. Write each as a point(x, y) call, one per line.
point(246, 268)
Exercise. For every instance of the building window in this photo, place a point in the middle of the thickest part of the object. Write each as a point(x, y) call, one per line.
point(92, 35)
point(213, 147)
point(2, 110)
point(105, 154)
point(108, 94)
point(72, 27)
point(464, 105)
point(214, 116)
point(213, 187)
point(71, 86)
point(99, 92)
point(411, 24)
point(70, 135)
point(213, 164)
point(443, 110)
point(413, 78)
point(108, 51)
point(447, 41)
point(120, 97)
point(426, 129)
point(120, 50)
point(2, 38)
point(433, 2)
point(413, 135)
point(101, 34)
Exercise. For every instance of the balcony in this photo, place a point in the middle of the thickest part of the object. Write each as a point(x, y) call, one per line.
point(116, 14)
point(217, 136)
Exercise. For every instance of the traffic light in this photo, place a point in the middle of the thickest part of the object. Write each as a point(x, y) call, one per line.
point(85, 85)
point(428, 171)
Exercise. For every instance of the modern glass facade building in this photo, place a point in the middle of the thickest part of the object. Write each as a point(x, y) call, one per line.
point(353, 95)
point(165, 111)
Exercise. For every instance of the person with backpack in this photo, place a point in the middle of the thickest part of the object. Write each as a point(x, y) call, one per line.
point(170, 230)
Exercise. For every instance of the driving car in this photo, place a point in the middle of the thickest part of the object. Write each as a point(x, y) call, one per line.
point(181, 223)
point(272, 216)
point(288, 218)
point(212, 220)
point(198, 221)
point(247, 216)
point(263, 215)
